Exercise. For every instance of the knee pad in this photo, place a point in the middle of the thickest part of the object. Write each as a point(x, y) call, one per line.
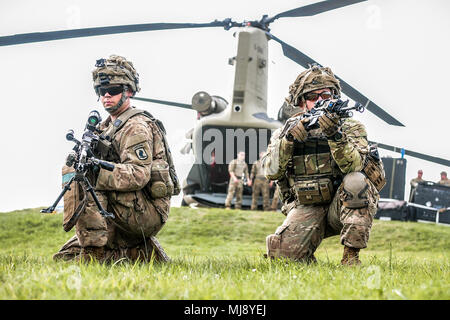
point(355, 191)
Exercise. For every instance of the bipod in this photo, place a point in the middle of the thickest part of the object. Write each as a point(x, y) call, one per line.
point(79, 178)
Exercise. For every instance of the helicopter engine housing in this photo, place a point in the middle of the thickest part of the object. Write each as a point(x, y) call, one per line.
point(206, 104)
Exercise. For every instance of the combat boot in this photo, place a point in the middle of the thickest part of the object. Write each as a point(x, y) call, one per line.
point(350, 256)
point(91, 254)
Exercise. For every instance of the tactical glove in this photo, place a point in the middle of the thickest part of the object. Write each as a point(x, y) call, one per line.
point(298, 132)
point(71, 158)
point(329, 123)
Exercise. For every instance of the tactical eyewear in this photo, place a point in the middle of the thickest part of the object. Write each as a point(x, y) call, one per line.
point(312, 96)
point(112, 90)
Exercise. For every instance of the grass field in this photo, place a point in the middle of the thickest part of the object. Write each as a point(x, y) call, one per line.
point(218, 254)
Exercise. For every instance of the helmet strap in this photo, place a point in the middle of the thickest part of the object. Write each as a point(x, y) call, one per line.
point(122, 100)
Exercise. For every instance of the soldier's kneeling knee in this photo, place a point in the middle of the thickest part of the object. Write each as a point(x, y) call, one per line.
point(355, 191)
point(273, 245)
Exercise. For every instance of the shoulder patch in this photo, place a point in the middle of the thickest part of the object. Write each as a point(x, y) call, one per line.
point(140, 152)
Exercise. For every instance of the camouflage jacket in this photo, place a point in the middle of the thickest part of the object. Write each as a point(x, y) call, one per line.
point(257, 170)
point(239, 168)
point(415, 181)
point(349, 153)
point(135, 145)
point(445, 182)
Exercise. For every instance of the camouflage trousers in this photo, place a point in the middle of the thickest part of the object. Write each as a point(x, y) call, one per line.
point(129, 235)
point(233, 188)
point(306, 226)
point(260, 186)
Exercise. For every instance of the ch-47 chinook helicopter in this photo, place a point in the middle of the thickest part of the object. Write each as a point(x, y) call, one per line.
point(225, 128)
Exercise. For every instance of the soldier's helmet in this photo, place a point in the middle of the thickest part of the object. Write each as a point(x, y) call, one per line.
point(314, 78)
point(115, 70)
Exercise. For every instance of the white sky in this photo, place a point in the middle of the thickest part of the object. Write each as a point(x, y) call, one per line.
point(395, 52)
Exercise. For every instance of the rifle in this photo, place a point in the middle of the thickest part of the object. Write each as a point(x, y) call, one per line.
point(82, 159)
point(338, 107)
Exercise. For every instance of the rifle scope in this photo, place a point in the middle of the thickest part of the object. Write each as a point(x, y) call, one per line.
point(93, 120)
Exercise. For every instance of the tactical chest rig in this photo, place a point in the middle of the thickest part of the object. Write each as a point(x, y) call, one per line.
point(314, 175)
point(163, 179)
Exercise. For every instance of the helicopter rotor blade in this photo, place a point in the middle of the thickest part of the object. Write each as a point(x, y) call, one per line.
point(305, 61)
point(414, 154)
point(169, 103)
point(98, 31)
point(313, 9)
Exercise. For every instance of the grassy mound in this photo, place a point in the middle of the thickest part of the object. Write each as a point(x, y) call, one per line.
point(217, 254)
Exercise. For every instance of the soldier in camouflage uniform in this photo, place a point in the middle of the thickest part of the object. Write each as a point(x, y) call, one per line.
point(260, 185)
point(329, 177)
point(275, 199)
point(444, 180)
point(414, 182)
point(138, 190)
point(238, 171)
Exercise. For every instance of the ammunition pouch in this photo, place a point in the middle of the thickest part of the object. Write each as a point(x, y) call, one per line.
point(160, 184)
point(374, 169)
point(314, 191)
point(74, 199)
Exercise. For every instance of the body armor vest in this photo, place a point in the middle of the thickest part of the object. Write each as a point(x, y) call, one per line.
point(314, 176)
point(163, 181)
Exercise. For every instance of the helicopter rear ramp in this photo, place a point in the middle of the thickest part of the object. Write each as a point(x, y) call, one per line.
point(217, 200)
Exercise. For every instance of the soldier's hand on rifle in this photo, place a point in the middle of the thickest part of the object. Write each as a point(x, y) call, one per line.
point(298, 131)
point(329, 123)
point(71, 158)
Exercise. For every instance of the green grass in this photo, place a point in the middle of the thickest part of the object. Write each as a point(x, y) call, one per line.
point(217, 254)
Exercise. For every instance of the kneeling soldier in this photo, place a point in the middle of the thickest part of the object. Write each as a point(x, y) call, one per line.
point(329, 177)
point(137, 191)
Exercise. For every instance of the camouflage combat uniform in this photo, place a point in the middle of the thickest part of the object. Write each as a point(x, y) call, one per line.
point(240, 170)
point(260, 185)
point(415, 181)
point(317, 170)
point(445, 182)
point(138, 217)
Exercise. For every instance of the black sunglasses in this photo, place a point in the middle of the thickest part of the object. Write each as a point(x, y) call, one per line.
point(312, 96)
point(112, 90)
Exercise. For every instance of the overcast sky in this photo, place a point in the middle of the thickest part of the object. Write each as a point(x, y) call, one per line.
point(396, 52)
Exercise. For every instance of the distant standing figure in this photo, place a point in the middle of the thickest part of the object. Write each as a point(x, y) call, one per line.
point(414, 182)
point(444, 180)
point(275, 199)
point(260, 185)
point(238, 170)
